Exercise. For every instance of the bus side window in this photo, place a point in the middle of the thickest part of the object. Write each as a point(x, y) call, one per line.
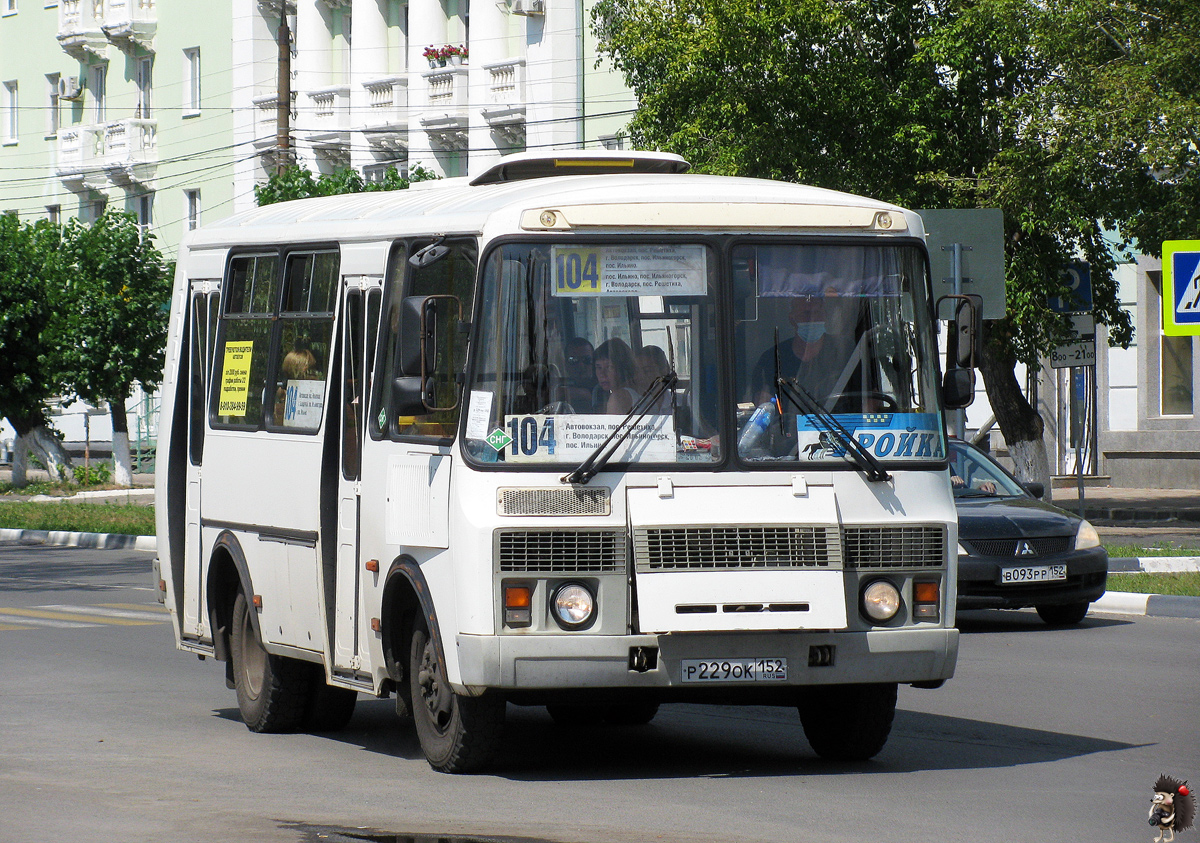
point(306, 331)
point(202, 337)
point(453, 275)
point(240, 367)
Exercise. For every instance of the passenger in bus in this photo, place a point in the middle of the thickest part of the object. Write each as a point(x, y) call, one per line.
point(581, 374)
point(652, 363)
point(616, 372)
point(299, 364)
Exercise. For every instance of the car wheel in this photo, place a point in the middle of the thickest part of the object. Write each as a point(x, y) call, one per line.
point(848, 722)
point(458, 734)
point(329, 708)
point(272, 691)
point(1068, 615)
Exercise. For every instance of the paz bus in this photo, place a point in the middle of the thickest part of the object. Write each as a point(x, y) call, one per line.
point(586, 432)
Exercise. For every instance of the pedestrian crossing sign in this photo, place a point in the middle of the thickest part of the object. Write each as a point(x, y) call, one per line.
point(1181, 288)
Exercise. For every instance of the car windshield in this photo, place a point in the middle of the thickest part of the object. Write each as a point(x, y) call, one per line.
point(974, 474)
point(572, 336)
point(848, 324)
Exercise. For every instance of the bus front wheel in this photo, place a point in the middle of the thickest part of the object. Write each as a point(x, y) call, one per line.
point(458, 734)
point(848, 722)
point(272, 691)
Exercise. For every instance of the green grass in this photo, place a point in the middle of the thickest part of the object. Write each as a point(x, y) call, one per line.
point(1186, 583)
point(1132, 551)
point(125, 519)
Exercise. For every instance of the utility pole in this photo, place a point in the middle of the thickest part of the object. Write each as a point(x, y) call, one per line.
point(283, 101)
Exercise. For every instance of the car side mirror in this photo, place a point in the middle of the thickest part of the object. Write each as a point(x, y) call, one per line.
point(1035, 488)
point(419, 362)
point(958, 388)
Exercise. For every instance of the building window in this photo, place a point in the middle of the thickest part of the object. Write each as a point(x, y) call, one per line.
point(612, 141)
point(97, 80)
point(11, 127)
point(144, 208)
point(54, 213)
point(145, 84)
point(1177, 376)
point(52, 104)
point(191, 82)
point(10, 7)
point(191, 201)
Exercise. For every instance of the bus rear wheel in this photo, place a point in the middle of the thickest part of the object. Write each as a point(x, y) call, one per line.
point(272, 691)
point(458, 734)
point(848, 722)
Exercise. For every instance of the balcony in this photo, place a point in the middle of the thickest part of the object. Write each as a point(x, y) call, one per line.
point(128, 152)
point(130, 24)
point(445, 114)
point(386, 123)
point(505, 111)
point(76, 155)
point(79, 31)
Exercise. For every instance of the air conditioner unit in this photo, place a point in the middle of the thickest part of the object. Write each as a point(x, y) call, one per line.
point(528, 7)
point(70, 88)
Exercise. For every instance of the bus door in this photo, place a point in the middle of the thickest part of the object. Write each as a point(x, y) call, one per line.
point(202, 315)
point(360, 318)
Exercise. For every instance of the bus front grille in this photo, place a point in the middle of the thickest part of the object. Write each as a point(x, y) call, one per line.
point(569, 501)
point(736, 547)
point(921, 546)
point(560, 551)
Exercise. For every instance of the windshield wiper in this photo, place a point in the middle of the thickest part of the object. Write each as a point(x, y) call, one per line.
point(789, 388)
point(598, 458)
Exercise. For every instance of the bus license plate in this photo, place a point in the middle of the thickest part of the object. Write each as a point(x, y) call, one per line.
point(733, 670)
point(1032, 573)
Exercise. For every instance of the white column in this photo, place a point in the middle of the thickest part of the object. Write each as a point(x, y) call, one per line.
point(551, 78)
point(368, 61)
point(426, 26)
point(311, 66)
point(489, 43)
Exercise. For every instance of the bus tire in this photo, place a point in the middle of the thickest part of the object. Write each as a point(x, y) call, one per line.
point(848, 722)
point(272, 691)
point(458, 734)
point(329, 708)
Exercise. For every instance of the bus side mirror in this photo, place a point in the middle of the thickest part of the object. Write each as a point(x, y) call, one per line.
point(965, 346)
point(958, 388)
point(418, 335)
point(412, 396)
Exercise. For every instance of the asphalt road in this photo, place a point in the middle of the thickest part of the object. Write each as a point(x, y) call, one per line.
point(108, 733)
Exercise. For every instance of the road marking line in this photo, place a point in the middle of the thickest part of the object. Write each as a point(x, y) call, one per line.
point(157, 608)
point(105, 612)
point(8, 626)
point(25, 618)
point(73, 616)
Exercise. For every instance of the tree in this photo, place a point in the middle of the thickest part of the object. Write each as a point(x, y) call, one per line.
point(297, 182)
point(31, 367)
point(1059, 112)
point(119, 289)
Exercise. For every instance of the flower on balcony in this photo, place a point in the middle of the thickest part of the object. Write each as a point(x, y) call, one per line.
point(432, 52)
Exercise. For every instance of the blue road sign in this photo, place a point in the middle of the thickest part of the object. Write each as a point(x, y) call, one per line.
point(1181, 288)
point(1078, 276)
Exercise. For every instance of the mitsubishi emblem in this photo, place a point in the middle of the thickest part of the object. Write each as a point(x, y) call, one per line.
point(1024, 548)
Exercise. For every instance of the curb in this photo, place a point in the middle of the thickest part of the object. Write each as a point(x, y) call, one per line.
point(1148, 605)
point(99, 541)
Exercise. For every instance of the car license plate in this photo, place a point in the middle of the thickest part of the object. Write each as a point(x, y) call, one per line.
point(733, 670)
point(1032, 573)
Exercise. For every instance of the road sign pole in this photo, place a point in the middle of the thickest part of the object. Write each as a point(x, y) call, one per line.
point(958, 418)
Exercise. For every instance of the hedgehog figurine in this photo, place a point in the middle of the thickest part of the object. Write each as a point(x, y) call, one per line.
point(1173, 808)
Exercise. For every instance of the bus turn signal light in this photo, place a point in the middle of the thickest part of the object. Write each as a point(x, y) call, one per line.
point(926, 598)
point(518, 605)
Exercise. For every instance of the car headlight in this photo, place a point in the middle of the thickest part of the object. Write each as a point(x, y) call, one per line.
point(573, 606)
point(880, 601)
point(1087, 536)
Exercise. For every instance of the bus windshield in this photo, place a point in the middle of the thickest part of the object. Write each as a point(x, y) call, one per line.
point(849, 325)
point(572, 335)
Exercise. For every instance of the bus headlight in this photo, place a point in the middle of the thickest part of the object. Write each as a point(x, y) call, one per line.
point(573, 606)
point(880, 601)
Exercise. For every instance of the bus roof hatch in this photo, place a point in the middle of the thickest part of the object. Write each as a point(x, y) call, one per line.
point(538, 165)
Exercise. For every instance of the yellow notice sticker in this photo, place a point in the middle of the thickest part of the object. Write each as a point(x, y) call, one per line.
point(235, 378)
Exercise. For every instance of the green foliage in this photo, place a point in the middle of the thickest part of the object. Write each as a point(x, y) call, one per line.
point(1077, 119)
point(1186, 583)
point(118, 287)
point(31, 324)
point(93, 474)
point(298, 182)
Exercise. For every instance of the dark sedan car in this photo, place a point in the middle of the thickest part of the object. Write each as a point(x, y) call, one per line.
point(1016, 551)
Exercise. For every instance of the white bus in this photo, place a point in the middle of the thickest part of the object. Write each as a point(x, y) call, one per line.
point(585, 432)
